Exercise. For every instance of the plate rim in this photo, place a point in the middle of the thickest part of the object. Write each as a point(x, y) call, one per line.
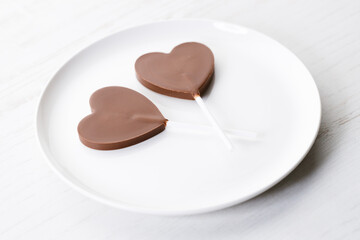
point(156, 211)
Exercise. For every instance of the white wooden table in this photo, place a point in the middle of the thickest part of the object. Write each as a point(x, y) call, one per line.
point(319, 200)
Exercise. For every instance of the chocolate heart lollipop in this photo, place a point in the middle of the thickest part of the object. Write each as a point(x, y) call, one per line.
point(122, 117)
point(183, 73)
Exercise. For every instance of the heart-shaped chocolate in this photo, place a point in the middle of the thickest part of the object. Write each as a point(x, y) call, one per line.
point(120, 117)
point(183, 73)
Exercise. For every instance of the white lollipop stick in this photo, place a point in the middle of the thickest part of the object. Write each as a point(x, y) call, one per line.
point(199, 128)
point(204, 129)
point(210, 117)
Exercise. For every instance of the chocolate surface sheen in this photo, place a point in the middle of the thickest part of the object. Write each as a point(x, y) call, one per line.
point(120, 118)
point(183, 73)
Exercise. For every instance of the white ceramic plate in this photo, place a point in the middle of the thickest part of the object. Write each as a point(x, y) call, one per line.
point(259, 85)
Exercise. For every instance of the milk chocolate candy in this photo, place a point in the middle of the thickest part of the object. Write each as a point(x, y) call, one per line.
point(183, 73)
point(120, 118)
